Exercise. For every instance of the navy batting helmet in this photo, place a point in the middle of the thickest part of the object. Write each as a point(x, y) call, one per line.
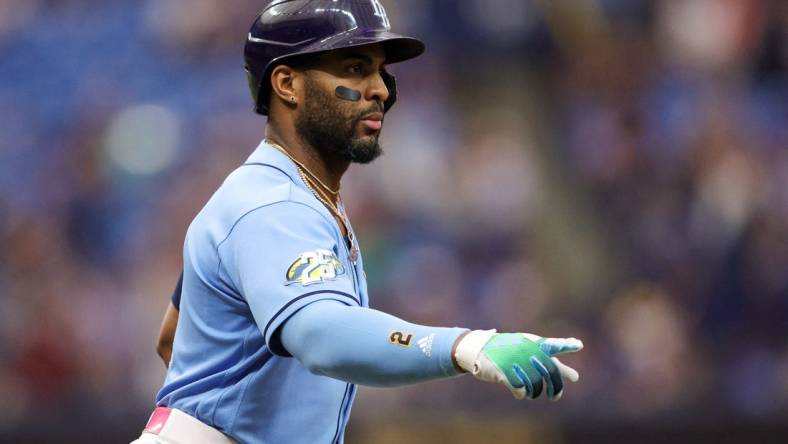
point(292, 28)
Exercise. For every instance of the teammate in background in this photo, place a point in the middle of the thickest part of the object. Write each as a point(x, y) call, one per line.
point(274, 328)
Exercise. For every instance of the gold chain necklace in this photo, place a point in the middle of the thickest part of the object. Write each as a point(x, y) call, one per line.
point(311, 174)
point(322, 197)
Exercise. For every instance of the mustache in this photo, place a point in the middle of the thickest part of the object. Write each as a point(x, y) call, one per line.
point(377, 108)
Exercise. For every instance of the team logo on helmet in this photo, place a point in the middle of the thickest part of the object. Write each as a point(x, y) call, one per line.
point(312, 267)
point(380, 12)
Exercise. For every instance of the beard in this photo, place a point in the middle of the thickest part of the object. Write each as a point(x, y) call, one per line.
point(324, 124)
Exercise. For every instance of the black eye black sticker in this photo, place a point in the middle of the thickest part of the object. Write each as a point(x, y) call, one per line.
point(351, 95)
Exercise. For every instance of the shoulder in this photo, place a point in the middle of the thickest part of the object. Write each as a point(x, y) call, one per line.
point(255, 191)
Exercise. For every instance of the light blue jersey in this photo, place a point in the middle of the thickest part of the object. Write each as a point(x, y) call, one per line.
point(262, 248)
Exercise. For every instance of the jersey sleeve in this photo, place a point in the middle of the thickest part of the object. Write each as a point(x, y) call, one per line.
point(282, 257)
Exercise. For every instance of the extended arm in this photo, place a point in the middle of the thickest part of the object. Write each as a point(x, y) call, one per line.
point(302, 299)
point(367, 346)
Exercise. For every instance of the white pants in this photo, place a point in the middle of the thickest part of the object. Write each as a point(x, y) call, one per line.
point(172, 426)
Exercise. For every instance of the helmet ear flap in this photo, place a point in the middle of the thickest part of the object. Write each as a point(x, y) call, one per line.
point(391, 84)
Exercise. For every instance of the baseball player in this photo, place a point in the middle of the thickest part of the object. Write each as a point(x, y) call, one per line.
point(275, 328)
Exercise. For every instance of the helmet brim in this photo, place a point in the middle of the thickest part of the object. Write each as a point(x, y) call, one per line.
point(398, 48)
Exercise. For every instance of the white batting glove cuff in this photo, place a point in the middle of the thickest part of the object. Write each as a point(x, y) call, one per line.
point(470, 347)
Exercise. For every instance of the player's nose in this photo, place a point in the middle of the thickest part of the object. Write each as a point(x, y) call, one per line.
point(377, 90)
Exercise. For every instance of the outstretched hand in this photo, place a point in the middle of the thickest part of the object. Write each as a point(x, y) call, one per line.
point(523, 362)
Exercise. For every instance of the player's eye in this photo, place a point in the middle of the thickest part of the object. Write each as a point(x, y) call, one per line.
point(356, 68)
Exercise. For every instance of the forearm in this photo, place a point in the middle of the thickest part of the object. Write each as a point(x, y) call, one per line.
point(369, 347)
point(167, 334)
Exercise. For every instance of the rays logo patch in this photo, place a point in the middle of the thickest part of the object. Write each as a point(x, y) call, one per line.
point(312, 267)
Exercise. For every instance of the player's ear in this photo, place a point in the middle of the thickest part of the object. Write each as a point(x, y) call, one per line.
point(285, 84)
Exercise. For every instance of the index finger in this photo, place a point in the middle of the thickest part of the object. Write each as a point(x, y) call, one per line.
point(557, 346)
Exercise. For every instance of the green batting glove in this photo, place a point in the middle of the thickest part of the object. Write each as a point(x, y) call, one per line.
point(521, 361)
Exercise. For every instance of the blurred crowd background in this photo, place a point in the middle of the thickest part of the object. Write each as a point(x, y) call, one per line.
point(613, 170)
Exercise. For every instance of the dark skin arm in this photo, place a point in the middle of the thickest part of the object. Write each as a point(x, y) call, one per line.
point(167, 334)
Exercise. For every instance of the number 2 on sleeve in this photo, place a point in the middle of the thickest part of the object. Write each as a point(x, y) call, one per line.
point(400, 338)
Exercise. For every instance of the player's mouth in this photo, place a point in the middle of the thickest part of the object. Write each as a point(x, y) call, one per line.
point(373, 121)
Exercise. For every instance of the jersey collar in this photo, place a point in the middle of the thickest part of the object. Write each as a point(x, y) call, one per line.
point(265, 154)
